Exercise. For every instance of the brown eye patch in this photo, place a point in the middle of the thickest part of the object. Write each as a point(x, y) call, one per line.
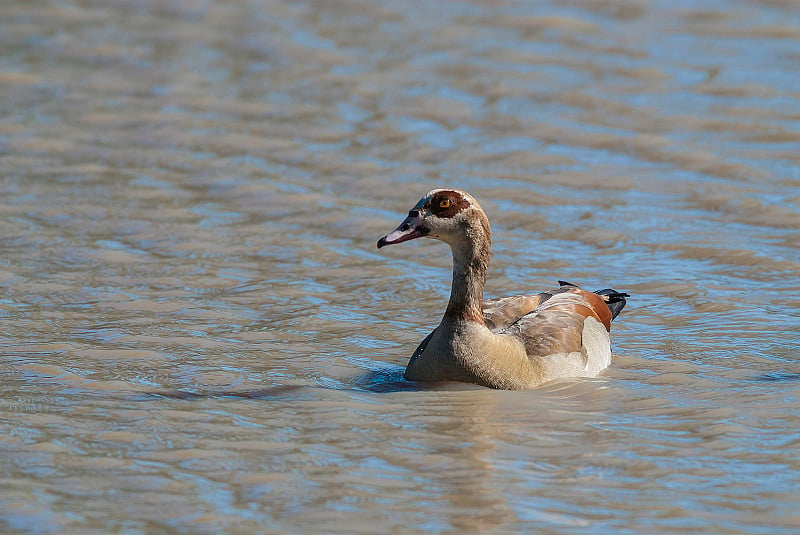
point(447, 203)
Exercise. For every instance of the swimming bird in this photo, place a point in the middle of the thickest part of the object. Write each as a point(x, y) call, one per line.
point(512, 342)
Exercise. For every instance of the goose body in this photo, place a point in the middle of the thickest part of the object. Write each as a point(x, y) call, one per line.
point(512, 342)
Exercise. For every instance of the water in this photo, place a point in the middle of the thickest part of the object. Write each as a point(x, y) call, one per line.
point(199, 335)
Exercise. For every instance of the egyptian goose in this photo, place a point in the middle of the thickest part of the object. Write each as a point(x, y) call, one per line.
point(512, 342)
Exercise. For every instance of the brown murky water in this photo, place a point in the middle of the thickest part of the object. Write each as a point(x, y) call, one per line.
point(199, 335)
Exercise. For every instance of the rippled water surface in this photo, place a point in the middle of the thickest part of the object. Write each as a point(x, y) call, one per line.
point(199, 335)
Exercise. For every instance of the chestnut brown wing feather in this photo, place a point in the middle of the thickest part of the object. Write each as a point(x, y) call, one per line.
point(500, 313)
point(549, 331)
point(556, 324)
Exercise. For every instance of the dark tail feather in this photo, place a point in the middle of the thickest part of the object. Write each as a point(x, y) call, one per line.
point(614, 299)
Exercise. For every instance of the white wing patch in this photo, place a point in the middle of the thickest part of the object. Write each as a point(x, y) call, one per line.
point(598, 346)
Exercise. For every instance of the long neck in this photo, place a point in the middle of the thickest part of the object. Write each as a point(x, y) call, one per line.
point(470, 263)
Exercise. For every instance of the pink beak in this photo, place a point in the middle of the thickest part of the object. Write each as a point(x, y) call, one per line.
point(410, 228)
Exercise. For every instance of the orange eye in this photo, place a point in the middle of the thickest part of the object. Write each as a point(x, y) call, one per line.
point(444, 203)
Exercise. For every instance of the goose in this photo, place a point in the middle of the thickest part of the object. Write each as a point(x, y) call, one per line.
point(510, 343)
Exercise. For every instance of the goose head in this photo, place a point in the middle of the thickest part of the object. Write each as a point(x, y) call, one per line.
point(450, 215)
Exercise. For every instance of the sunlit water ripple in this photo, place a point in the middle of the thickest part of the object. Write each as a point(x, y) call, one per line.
point(200, 335)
